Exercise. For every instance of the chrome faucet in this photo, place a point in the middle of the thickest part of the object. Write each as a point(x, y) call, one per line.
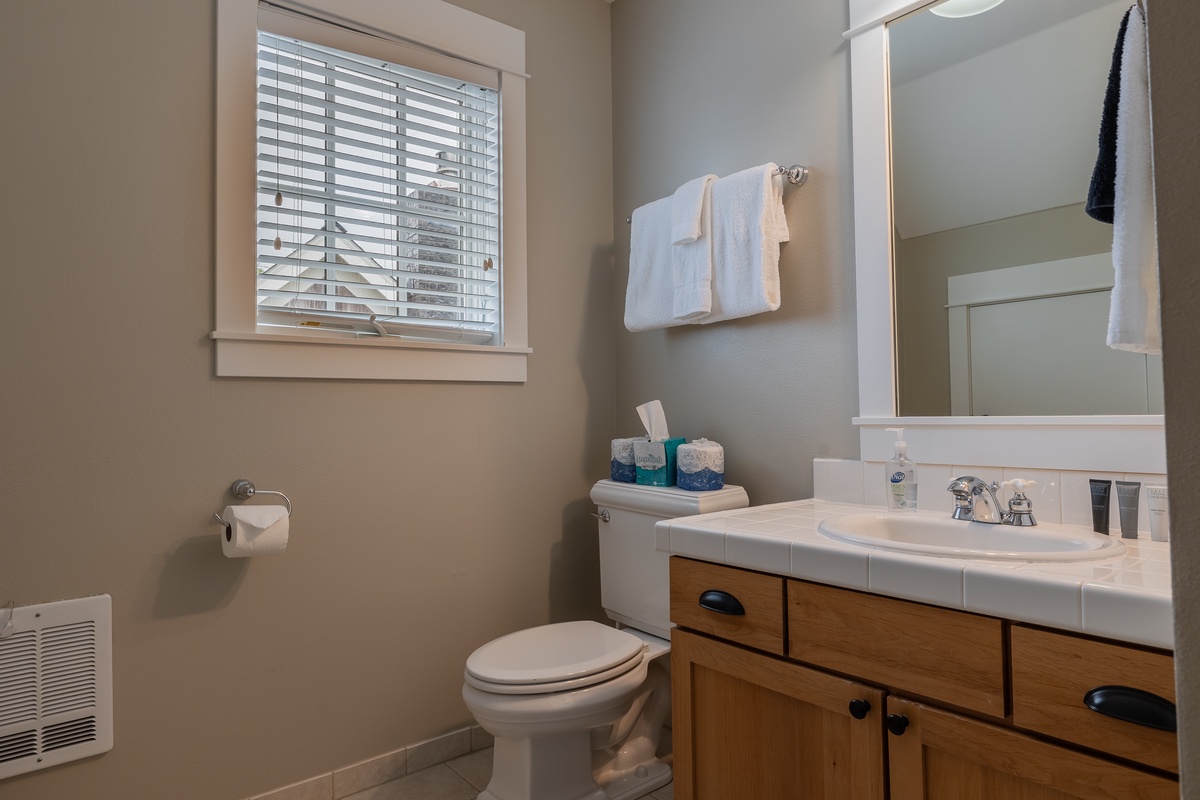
point(975, 501)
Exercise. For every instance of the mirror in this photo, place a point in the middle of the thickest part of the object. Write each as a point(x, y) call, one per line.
point(1000, 278)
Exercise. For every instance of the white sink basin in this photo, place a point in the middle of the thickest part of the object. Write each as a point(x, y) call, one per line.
point(934, 534)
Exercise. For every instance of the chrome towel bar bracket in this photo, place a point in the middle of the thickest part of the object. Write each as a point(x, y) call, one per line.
point(795, 174)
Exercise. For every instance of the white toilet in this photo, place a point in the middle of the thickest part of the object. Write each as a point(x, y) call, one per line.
point(576, 708)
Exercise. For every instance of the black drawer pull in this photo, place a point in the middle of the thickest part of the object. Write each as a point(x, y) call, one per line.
point(1132, 705)
point(896, 724)
point(860, 708)
point(722, 603)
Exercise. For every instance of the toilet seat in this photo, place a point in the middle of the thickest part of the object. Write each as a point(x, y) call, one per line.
point(553, 658)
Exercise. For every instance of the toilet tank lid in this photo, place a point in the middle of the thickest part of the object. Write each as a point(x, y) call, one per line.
point(667, 502)
point(557, 652)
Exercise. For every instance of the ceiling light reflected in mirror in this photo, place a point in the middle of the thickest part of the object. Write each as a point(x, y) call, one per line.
point(964, 8)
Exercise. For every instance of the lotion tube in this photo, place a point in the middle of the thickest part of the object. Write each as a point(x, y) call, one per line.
point(1160, 518)
point(1100, 490)
point(1127, 505)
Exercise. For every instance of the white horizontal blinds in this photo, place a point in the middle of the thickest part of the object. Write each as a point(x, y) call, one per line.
point(377, 196)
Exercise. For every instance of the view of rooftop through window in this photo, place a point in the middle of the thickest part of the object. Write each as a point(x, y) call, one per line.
point(377, 196)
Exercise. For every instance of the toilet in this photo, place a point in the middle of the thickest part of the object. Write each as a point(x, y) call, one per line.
point(577, 708)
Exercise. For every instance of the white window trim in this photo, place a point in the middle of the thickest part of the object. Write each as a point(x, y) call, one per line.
point(245, 349)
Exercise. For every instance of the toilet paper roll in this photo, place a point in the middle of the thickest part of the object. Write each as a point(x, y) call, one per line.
point(622, 460)
point(254, 530)
point(701, 466)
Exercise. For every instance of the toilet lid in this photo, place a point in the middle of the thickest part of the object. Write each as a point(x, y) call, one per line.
point(564, 651)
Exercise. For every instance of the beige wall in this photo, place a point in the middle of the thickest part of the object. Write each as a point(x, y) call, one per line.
point(711, 86)
point(924, 262)
point(428, 517)
point(1174, 28)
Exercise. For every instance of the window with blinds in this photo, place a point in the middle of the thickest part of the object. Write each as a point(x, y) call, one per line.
point(377, 197)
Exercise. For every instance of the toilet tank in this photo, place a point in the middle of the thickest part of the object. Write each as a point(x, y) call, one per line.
point(634, 578)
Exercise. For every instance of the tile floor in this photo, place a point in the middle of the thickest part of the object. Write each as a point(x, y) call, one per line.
point(461, 778)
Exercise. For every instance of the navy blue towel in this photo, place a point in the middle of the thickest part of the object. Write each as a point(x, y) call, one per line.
point(1100, 197)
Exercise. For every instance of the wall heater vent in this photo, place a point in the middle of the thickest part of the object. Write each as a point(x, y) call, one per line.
point(55, 683)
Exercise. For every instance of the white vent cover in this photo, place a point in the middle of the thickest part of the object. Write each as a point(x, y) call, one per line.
point(55, 683)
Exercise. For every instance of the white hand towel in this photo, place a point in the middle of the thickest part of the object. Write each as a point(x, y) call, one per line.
point(748, 225)
point(650, 293)
point(687, 205)
point(691, 251)
point(1133, 322)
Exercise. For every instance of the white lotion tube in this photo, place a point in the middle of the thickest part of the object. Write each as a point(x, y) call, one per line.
point(1160, 518)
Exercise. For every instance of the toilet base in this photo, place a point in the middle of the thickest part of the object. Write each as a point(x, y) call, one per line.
point(554, 767)
point(516, 777)
point(636, 782)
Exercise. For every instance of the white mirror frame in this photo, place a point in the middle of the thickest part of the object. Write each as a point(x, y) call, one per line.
point(1103, 444)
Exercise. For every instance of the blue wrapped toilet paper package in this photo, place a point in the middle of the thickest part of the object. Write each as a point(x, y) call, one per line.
point(701, 466)
point(655, 460)
point(623, 468)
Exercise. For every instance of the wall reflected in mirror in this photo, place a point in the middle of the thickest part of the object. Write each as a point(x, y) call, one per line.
point(1002, 280)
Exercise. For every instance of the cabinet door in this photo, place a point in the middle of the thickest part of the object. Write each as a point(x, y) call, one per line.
point(747, 725)
point(942, 756)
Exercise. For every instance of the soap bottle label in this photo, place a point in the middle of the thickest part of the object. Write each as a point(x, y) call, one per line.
point(903, 491)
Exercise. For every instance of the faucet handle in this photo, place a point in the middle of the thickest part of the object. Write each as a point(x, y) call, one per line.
point(1020, 508)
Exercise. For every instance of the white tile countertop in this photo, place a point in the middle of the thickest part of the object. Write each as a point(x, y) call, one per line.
point(1127, 598)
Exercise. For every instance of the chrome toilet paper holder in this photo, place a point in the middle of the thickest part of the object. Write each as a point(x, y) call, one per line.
point(243, 489)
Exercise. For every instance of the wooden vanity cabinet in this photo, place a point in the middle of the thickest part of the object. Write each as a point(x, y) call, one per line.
point(749, 726)
point(938, 755)
point(893, 699)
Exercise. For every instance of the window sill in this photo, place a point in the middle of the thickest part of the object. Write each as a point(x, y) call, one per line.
point(298, 355)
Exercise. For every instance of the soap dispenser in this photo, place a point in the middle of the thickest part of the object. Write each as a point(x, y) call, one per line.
point(901, 477)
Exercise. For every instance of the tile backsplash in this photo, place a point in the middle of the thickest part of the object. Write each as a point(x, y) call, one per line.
point(1060, 496)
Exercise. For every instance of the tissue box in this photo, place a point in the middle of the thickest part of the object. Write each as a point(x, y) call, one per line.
point(623, 468)
point(701, 466)
point(655, 461)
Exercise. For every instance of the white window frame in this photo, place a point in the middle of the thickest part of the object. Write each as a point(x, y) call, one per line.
point(246, 349)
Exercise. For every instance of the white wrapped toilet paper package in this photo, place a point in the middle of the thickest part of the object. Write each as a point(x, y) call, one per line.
point(622, 460)
point(701, 466)
point(254, 530)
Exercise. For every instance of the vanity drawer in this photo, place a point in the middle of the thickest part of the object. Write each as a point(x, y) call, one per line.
point(707, 598)
point(951, 656)
point(1051, 674)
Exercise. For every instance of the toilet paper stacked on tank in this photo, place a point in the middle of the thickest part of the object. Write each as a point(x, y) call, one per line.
point(254, 530)
point(623, 468)
point(701, 466)
point(654, 456)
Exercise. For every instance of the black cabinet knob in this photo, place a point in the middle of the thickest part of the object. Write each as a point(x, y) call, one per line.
point(859, 708)
point(897, 723)
point(722, 603)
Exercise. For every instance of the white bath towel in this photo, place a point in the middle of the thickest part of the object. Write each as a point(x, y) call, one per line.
point(651, 290)
point(748, 225)
point(1133, 321)
point(691, 251)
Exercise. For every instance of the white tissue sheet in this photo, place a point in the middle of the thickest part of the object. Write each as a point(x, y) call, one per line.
point(655, 420)
point(254, 530)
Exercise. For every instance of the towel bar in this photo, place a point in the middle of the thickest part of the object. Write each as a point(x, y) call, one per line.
point(795, 174)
